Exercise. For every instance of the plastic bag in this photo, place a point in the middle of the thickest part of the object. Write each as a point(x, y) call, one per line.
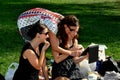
point(11, 70)
point(84, 68)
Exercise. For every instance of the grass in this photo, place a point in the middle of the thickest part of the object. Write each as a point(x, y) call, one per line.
point(99, 21)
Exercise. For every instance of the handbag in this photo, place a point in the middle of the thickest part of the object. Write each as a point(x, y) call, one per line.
point(11, 70)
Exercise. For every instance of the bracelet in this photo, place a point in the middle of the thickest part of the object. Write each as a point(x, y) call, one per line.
point(41, 77)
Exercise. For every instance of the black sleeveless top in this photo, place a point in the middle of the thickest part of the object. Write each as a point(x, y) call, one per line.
point(25, 70)
point(66, 68)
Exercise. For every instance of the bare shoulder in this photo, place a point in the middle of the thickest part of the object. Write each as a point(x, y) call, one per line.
point(28, 53)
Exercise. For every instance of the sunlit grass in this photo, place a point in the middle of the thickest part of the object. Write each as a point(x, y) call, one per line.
point(99, 22)
point(57, 1)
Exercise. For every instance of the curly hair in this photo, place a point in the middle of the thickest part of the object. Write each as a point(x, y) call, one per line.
point(69, 20)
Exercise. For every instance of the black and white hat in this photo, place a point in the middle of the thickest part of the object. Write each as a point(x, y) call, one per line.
point(27, 18)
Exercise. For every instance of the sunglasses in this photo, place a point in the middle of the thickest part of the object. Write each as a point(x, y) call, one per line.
point(72, 29)
point(45, 33)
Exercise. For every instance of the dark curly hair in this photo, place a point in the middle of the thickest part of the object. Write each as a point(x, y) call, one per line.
point(69, 20)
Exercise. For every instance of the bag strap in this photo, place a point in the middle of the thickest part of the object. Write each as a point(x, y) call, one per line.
point(13, 64)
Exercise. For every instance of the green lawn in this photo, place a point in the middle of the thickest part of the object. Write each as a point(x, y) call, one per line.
point(99, 21)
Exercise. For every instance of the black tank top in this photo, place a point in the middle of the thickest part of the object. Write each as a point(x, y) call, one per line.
point(66, 68)
point(25, 70)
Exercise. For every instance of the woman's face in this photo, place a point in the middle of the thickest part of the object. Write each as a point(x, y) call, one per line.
point(73, 30)
point(44, 34)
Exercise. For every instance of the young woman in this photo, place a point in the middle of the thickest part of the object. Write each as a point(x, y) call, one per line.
point(32, 61)
point(65, 66)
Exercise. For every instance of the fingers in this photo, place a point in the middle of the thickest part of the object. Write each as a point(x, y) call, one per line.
point(46, 45)
point(76, 53)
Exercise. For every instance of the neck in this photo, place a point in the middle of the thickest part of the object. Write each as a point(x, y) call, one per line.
point(35, 44)
point(69, 43)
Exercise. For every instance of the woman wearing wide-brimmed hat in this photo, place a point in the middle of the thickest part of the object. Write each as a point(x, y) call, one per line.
point(32, 60)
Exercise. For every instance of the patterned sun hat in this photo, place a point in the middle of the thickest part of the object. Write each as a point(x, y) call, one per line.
point(29, 17)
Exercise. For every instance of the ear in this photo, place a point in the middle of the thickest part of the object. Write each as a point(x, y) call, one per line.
point(38, 35)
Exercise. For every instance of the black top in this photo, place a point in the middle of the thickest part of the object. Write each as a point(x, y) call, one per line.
point(25, 70)
point(66, 68)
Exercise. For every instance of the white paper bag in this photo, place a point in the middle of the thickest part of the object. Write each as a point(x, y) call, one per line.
point(11, 70)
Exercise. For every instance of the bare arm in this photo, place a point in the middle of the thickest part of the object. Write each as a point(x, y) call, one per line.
point(42, 55)
point(45, 70)
point(79, 59)
point(32, 58)
point(56, 55)
point(58, 58)
point(55, 46)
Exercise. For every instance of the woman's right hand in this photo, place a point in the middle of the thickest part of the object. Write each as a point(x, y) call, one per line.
point(76, 50)
point(76, 53)
point(46, 45)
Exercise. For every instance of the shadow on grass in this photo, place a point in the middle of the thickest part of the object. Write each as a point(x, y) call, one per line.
point(97, 20)
point(99, 23)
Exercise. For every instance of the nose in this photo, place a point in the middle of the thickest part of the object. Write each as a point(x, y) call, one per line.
point(47, 36)
point(75, 33)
